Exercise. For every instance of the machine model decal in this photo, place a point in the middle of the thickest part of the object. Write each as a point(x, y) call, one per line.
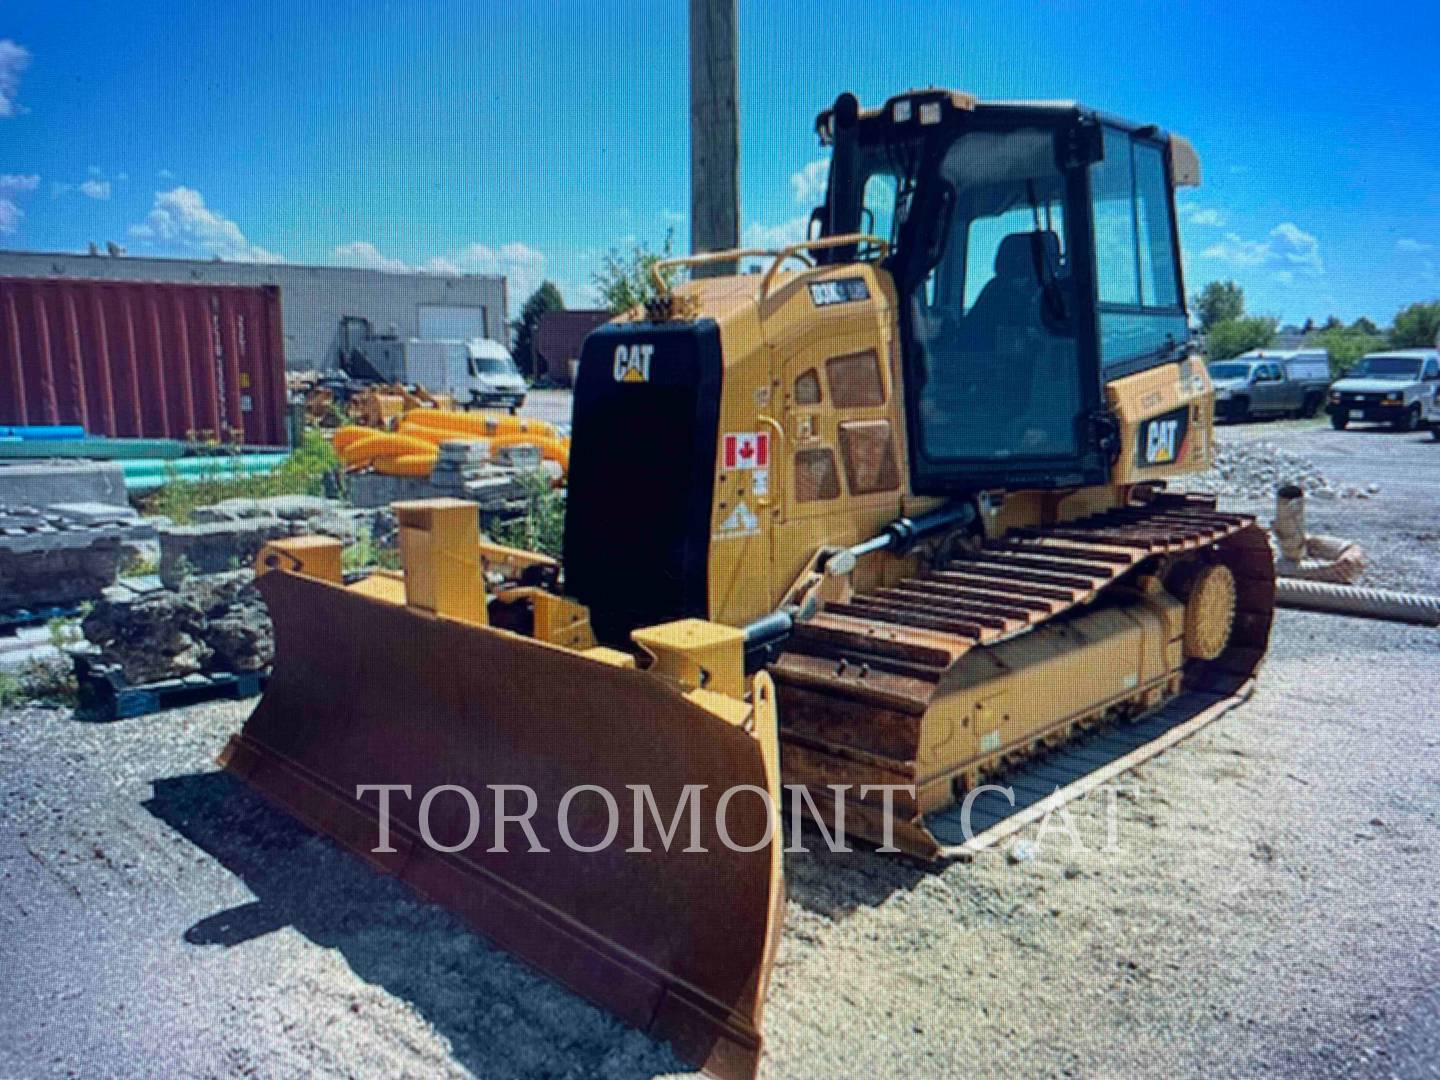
point(748, 451)
point(632, 363)
point(843, 291)
point(1163, 437)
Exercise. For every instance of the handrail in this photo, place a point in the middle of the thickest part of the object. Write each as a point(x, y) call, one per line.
point(704, 259)
point(792, 250)
point(779, 257)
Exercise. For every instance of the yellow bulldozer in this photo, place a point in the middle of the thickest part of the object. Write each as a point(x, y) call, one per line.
point(876, 523)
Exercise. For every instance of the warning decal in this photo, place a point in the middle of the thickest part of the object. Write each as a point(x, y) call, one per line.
point(740, 522)
point(747, 451)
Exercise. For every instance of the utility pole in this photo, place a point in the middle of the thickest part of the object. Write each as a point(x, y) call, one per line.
point(714, 130)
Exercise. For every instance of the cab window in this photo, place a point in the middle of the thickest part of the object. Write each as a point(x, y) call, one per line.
point(1141, 317)
point(878, 214)
point(994, 319)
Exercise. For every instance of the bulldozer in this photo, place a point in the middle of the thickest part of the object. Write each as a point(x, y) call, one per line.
point(879, 519)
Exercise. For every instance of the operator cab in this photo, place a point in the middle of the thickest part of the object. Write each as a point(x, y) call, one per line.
point(1035, 254)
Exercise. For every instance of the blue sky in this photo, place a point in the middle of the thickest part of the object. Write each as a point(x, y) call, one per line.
point(531, 137)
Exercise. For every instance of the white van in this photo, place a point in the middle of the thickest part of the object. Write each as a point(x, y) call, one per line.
point(477, 372)
point(1397, 388)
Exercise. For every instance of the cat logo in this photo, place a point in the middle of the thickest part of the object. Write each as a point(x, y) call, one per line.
point(632, 363)
point(1160, 442)
point(1162, 439)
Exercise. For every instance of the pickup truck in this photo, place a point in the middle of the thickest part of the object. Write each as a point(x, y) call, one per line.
point(1396, 388)
point(1270, 382)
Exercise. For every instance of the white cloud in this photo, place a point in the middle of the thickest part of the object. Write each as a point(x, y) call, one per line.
point(180, 221)
point(520, 264)
point(165, 174)
point(1413, 247)
point(367, 256)
point(1201, 215)
point(95, 189)
point(1288, 249)
point(776, 236)
point(13, 60)
point(12, 184)
point(1297, 248)
point(809, 183)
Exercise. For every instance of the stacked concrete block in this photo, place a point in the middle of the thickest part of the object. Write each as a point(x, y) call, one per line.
point(64, 553)
point(215, 547)
point(44, 483)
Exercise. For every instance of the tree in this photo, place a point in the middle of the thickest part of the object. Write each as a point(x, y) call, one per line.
point(1417, 326)
point(1363, 325)
point(1347, 345)
point(625, 280)
point(546, 298)
point(1235, 336)
point(1218, 302)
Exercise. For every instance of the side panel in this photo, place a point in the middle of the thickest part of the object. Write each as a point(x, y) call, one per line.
point(146, 359)
point(1166, 419)
point(843, 468)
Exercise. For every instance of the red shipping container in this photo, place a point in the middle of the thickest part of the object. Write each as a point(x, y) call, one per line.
point(144, 359)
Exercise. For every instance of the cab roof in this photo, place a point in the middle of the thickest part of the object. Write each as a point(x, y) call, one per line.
point(933, 105)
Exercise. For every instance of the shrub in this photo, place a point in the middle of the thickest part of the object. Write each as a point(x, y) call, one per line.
point(302, 473)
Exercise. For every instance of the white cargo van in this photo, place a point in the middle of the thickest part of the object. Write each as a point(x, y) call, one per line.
point(477, 372)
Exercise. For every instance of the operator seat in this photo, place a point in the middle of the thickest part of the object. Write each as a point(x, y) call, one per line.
point(1011, 300)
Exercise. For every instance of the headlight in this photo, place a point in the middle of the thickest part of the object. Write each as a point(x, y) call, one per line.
point(1335, 396)
point(1395, 395)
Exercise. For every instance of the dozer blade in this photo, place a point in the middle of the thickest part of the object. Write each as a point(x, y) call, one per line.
point(679, 943)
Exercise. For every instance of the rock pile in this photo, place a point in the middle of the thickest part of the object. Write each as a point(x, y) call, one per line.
point(1254, 470)
point(210, 623)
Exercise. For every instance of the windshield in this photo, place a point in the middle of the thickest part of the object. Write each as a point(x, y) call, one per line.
point(1388, 367)
point(1229, 371)
point(492, 365)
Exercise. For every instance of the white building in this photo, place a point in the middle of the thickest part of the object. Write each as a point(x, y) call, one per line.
point(313, 299)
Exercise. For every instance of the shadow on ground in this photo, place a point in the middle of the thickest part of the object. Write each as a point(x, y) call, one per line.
point(838, 883)
point(499, 1017)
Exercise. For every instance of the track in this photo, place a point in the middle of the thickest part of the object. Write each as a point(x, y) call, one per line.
point(857, 678)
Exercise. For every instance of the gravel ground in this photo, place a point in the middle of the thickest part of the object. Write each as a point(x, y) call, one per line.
point(1273, 905)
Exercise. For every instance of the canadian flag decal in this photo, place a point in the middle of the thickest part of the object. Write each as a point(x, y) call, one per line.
point(748, 451)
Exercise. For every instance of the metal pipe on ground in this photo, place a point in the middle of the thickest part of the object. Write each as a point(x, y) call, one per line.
point(1289, 525)
point(1382, 604)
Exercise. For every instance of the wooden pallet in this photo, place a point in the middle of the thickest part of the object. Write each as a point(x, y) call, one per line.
point(105, 695)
